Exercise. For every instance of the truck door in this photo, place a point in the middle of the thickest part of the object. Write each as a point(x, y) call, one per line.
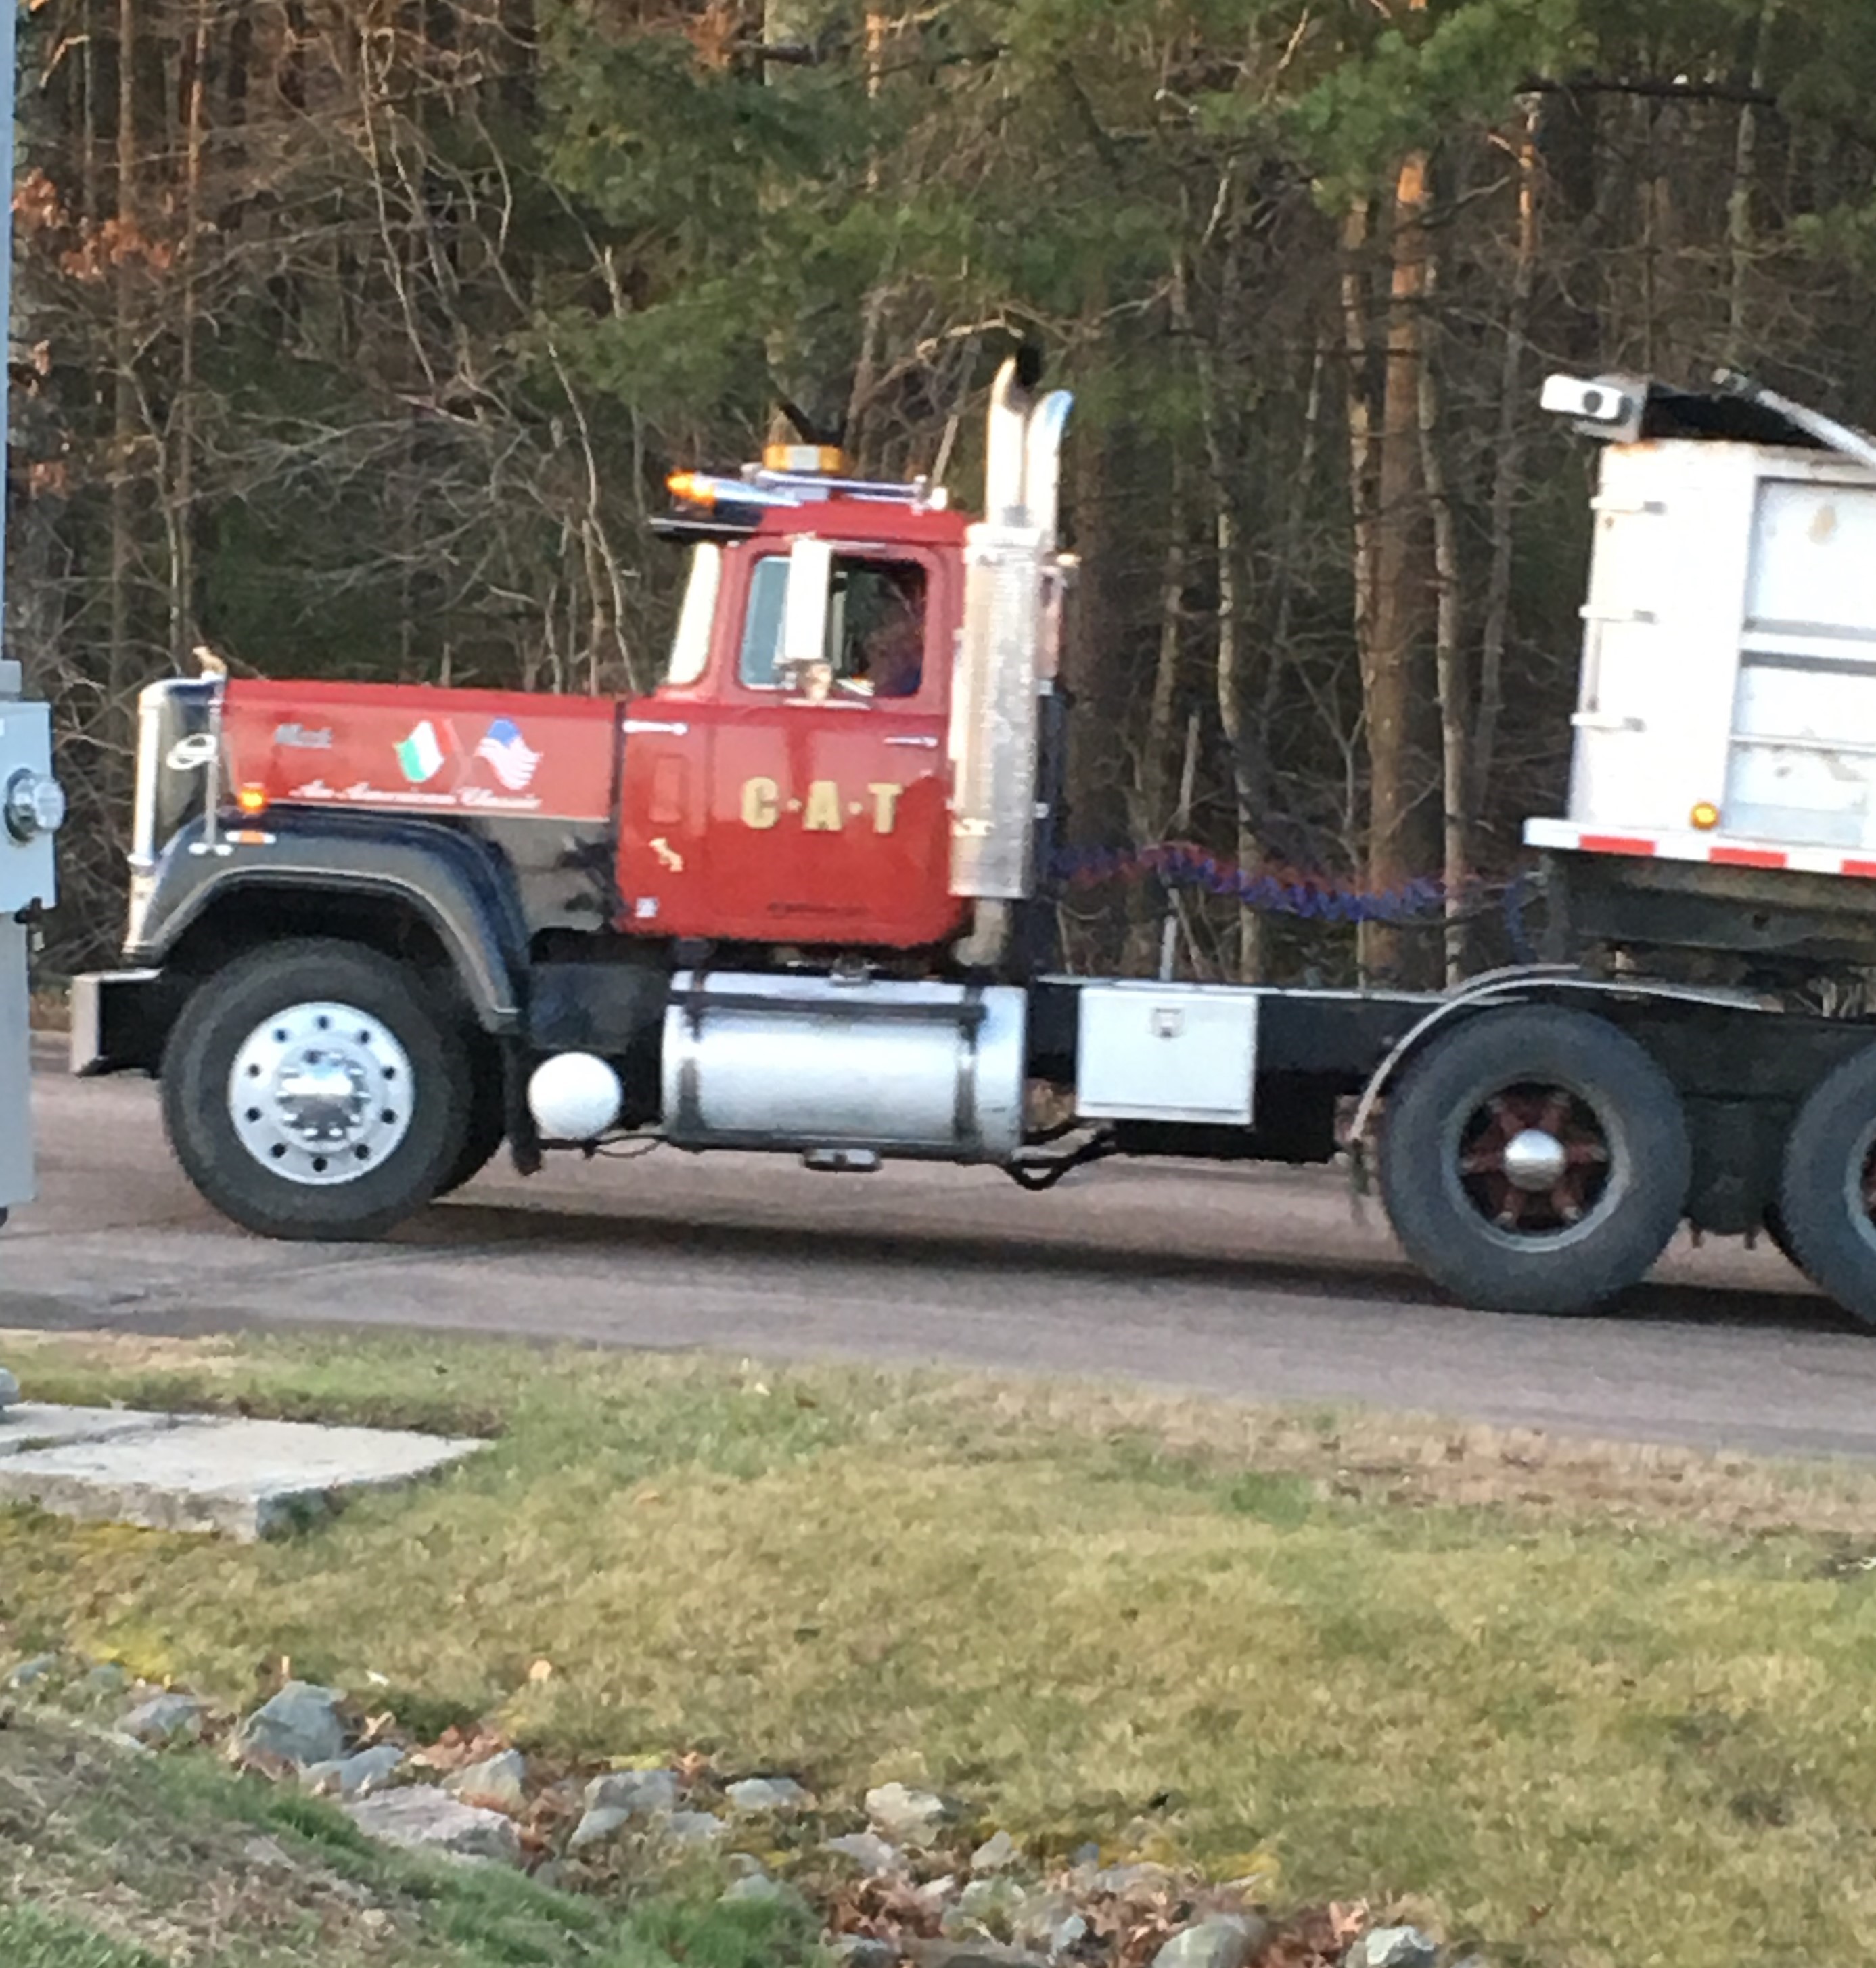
point(819, 815)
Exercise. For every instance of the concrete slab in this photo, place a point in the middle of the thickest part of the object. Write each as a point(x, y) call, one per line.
point(36, 1425)
point(244, 1479)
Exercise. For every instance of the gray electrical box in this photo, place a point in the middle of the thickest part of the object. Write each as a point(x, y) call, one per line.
point(32, 809)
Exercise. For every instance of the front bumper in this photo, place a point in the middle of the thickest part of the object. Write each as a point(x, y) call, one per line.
point(120, 1020)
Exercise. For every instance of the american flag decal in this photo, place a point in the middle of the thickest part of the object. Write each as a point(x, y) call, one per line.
point(508, 756)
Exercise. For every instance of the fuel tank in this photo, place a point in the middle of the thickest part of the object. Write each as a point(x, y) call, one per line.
point(928, 1070)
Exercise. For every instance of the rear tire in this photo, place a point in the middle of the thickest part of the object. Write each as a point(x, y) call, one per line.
point(1536, 1161)
point(1827, 1191)
point(310, 1091)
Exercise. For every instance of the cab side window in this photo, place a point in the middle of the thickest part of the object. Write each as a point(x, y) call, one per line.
point(875, 627)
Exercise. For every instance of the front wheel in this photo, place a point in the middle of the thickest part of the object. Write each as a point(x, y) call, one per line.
point(310, 1091)
point(1535, 1159)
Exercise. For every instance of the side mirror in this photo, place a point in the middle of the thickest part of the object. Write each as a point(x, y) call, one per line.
point(805, 615)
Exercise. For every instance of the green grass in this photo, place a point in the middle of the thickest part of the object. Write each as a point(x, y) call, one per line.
point(1592, 1707)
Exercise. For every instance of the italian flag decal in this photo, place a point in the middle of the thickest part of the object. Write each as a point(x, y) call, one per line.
point(422, 754)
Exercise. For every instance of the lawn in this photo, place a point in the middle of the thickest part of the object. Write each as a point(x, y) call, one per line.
point(1580, 1706)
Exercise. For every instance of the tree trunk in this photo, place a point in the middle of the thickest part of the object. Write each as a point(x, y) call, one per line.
point(1507, 476)
point(1449, 661)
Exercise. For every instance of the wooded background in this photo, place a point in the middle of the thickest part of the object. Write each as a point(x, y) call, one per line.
point(356, 337)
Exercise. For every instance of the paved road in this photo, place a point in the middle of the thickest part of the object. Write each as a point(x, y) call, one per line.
point(1260, 1284)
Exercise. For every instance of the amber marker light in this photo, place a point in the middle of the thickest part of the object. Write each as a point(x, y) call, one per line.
point(1704, 817)
point(692, 488)
point(252, 800)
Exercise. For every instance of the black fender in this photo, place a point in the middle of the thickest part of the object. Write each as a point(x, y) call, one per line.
point(458, 887)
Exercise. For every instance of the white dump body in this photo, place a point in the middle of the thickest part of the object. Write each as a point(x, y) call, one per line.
point(1729, 660)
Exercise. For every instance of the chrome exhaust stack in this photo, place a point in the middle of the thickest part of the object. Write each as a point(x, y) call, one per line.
point(1008, 656)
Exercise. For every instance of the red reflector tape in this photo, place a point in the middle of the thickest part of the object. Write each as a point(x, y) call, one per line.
point(1614, 843)
point(1748, 857)
point(1866, 869)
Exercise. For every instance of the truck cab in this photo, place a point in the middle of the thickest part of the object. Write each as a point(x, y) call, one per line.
point(788, 782)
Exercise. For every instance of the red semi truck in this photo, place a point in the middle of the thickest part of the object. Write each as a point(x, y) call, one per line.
point(797, 899)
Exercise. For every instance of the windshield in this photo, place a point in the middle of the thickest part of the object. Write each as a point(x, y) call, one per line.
point(690, 646)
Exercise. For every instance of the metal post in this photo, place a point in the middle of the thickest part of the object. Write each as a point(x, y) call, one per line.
point(32, 807)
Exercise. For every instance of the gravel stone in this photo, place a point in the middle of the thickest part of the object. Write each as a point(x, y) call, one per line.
point(497, 1780)
point(970, 1954)
point(1392, 1947)
point(599, 1823)
point(868, 1850)
point(423, 1819)
point(986, 1906)
point(1225, 1941)
point(768, 1794)
point(164, 1718)
point(107, 1678)
point(301, 1723)
point(691, 1827)
point(912, 1817)
point(998, 1850)
point(638, 1793)
point(29, 1671)
point(757, 1889)
point(862, 1950)
point(354, 1776)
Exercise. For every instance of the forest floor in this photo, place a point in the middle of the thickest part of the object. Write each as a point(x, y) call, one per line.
point(1557, 1703)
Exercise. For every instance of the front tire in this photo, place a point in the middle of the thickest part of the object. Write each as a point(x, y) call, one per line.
point(1535, 1161)
point(312, 1092)
point(1827, 1191)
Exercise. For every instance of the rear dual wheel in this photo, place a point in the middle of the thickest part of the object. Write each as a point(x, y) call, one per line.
point(1826, 1212)
point(1535, 1160)
point(311, 1090)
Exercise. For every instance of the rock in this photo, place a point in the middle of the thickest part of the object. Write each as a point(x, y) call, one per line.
point(267, 1852)
point(691, 1827)
point(163, 1719)
point(969, 1954)
point(497, 1780)
point(1121, 1880)
point(1392, 1947)
point(1048, 1924)
point(9, 1388)
point(29, 1671)
point(768, 1794)
point(998, 1850)
point(301, 1723)
point(1224, 1941)
point(354, 1776)
point(986, 1906)
point(422, 1819)
point(107, 1678)
point(862, 1950)
point(934, 1892)
point(597, 1825)
point(638, 1793)
point(757, 1889)
point(868, 1850)
point(912, 1817)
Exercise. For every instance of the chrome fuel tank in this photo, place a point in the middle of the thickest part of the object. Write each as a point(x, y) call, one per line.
point(927, 1069)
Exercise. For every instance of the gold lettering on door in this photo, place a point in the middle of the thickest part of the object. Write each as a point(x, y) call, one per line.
point(885, 805)
point(761, 804)
point(823, 808)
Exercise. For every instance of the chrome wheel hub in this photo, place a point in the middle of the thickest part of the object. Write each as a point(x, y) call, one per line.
point(320, 1093)
point(1534, 1161)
